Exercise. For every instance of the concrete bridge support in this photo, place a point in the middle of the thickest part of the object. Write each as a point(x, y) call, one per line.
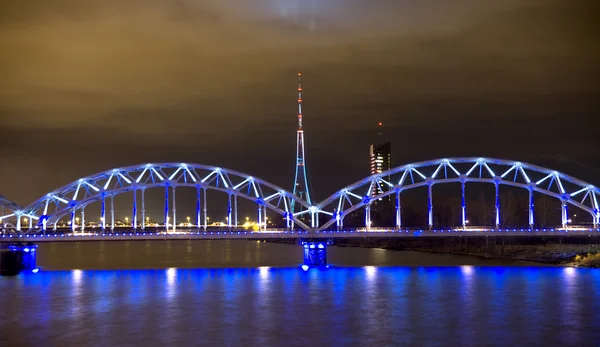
point(315, 253)
point(17, 258)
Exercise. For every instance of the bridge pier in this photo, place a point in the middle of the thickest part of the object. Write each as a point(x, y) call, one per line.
point(463, 205)
point(112, 212)
point(166, 208)
point(564, 213)
point(430, 205)
point(235, 211)
point(198, 206)
point(83, 219)
point(73, 221)
point(398, 211)
point(143, 208)
point(315, 253)
point(134, 211)
point(497, 203)
point(17, 258)
point(103, 211)
point(229, 209)
point(205, 209)
point(531, 208)
point(174, 210)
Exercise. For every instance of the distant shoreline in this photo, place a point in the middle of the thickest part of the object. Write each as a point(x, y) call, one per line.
point(568, 251)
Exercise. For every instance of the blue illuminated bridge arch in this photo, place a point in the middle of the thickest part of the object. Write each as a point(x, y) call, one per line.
point(136, 179)
point(361, 194)
point(8, 208)
point(102, 187)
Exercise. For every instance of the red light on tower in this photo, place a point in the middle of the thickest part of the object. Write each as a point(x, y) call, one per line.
point(380, 124)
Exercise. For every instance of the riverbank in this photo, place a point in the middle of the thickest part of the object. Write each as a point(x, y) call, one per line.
point(568, 251)
point(556, 253)
point(586, 260)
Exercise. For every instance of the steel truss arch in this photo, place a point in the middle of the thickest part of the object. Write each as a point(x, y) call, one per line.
point(76, 195)
point(10, 211)
point(567, 189)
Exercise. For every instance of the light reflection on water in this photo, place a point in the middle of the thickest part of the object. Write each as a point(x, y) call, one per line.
point(359, 306)
point(220, 253)
point(272, 301)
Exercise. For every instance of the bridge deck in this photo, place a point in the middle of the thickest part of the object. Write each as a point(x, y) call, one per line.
point(248, 235)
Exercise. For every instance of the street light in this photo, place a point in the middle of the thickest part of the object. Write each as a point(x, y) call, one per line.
point(188, 220)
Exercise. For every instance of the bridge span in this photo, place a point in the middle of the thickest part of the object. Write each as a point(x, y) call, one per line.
point(316, 220)
point(100, 189)
point(134, 235)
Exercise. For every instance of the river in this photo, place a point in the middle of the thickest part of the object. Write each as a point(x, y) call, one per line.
point(248, 293)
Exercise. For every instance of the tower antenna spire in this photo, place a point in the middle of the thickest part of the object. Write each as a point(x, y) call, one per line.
point(299, 101)
point(301, 180)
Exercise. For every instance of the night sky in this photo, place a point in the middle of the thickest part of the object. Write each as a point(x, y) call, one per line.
point(87, 86)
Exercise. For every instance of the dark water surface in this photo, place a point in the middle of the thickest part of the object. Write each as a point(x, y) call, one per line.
point(223, 253)
point(344, 305)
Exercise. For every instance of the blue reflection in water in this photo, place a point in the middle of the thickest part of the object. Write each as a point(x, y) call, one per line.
point(363, 306)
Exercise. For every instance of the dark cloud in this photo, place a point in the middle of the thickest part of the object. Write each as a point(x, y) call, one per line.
point(88, 85)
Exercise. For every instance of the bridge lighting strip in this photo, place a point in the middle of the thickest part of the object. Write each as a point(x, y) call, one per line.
point(274, 233)
point(125, 178)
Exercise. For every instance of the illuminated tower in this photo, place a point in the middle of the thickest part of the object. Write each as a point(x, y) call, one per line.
point(300, 181)
point(380, 159)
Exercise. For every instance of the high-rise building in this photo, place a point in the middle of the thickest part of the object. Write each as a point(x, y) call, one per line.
point(300, 180)
point(380, 160)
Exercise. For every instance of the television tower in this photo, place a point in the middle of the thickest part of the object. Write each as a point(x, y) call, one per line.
point(300, 181)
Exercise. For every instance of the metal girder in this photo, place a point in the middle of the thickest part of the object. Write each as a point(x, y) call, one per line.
point(9, 204)
point(76, 195)
point(8, 212)
point(84, 191)
point(453, 170)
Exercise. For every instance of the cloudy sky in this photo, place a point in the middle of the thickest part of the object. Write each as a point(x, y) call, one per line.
point(90, 85)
